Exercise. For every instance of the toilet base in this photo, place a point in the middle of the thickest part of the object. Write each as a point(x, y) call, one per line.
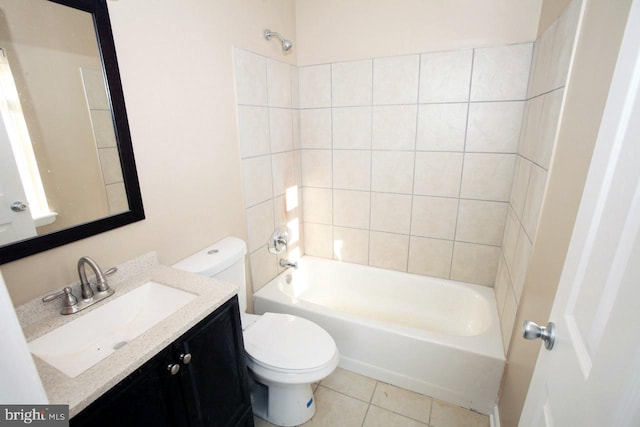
point(282, 404)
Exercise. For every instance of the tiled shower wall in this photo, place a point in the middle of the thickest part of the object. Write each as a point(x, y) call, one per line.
point(407, 161)
point(402, 162)
point(267, 95)
point(549, 71)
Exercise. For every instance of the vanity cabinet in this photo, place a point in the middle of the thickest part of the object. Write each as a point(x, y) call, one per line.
point(198, 380)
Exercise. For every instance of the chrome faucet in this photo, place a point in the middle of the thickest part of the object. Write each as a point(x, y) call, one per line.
point(101, 283)
point(71, 304)
point(285, 263)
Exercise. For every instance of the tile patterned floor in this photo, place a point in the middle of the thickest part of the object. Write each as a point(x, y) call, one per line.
point(347, 399)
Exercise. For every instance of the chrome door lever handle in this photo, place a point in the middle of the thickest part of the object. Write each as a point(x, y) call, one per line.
point(532, 331)
point(18, 206)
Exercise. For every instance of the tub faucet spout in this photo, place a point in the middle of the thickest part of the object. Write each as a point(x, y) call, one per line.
point(285, 263)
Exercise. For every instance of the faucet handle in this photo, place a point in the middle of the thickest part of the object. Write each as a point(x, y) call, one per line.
point(69, 300)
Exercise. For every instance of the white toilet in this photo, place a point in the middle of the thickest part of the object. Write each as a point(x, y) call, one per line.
point(285, 353)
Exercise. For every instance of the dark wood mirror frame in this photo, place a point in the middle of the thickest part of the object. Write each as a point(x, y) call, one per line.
point(102, 24)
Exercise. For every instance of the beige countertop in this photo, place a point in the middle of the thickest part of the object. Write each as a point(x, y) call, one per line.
point(38, 318)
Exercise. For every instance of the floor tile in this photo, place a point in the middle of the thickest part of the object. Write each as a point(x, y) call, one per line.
point(379, 417)
point(351, 384)
point(403, 402)
point(447, 415)
point(336, 409)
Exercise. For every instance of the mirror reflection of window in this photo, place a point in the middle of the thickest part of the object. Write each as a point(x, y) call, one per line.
point(21, 146)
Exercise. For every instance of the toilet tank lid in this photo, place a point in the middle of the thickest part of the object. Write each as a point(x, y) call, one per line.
point(215, 258)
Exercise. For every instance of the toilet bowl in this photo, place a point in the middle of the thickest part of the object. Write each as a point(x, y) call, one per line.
point(284, 354)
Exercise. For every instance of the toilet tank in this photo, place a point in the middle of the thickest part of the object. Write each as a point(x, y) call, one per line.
point(223, 260)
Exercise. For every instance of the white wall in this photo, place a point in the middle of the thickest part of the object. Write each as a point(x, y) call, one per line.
point(177, 72)
point(338, 30)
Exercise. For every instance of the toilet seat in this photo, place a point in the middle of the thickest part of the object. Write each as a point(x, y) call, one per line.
point(289, 345)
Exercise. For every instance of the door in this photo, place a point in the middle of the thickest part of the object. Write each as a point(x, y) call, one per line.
point(591, 377)
point(15, 224)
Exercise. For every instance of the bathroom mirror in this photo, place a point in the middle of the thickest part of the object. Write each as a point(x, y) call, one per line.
point(67, 169)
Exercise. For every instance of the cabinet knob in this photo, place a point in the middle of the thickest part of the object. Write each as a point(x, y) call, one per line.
point(185, 358)
point(174, 368)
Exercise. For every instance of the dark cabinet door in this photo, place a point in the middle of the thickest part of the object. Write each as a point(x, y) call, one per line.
point(150, 396)
point(214, 381)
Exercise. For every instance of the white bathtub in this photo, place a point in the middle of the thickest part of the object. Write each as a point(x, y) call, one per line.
point(433, 336)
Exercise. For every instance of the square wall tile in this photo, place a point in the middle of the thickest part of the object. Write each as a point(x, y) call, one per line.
point(314, 85)
point(564, 41)
point(316, 205)
point(395, 80)
point(278, 83)
point(351, 245)
point(253, 130)
point(280, 129)
point(388, 250)
point(501, 73)
point(250, 72)
point(552, 105)
point(103, 131)
point(352, 83)
point(351, 208)
point(502, 285)
point(494, 127)
point(520, 184)
point(475, 263)
point(263, 267)
point(352, 169)
point(318, 240)
point(441, 127)
point(520, 263)
point(487, 176)
point(510, 239)
point(315, 128)
point(533, 202)
point(283, 167)
point(117, 198)
point(438, 174)
point(531, 128)
point(316, 168)
point(394, 127)
point(352, 128)
point(110, 165)
point(391, 212)
point(430, 257)
point(481, 222)
point(260, 224)
point(392, 171)
point(445, 76)
point(434, 217)
point(284, 213)
point(256, 178)
point(508, 319)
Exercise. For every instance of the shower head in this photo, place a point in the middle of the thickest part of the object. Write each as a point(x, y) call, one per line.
point(286, 44)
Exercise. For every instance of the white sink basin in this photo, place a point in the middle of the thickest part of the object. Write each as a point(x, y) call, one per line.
point(78, 345)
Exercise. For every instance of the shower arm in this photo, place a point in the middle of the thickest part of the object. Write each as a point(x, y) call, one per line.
point(268, 34)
